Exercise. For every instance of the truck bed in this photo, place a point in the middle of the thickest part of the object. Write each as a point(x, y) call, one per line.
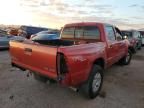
point(42, 57)
point(56, 42)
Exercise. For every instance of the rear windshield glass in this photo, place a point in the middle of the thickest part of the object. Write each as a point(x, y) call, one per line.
point(79, 32)
point(87, 32)
point(68, 32)
point(91, 32)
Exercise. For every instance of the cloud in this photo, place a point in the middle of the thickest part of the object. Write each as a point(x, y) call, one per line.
point(59, 12)
point(142, 6)
point(29, 3)
point(133, 5)
point(137, 17)
point(137, 6)
point(60, 7)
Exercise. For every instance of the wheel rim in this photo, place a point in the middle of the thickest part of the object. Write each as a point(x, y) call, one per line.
point(96, 82)
point(127, 57)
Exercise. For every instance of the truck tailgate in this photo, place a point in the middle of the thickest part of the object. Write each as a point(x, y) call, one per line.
point(37, 58)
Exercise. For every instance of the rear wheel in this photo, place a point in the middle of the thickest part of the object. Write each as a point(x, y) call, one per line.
point(126, 60)
point(94, 83)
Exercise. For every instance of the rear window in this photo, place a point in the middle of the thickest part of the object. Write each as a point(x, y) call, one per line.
point(87, 32)
point(91, 32)
point(79, 32)
point(68, 32)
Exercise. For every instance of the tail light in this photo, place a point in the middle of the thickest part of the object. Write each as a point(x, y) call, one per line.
point(62, 68)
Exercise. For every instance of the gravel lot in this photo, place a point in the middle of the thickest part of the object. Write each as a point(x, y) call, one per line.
point(123, 88)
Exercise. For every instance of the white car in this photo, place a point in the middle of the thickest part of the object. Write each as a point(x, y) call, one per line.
point(46, 32)
point(143, 40)
point(142, 37)
point(4, 40)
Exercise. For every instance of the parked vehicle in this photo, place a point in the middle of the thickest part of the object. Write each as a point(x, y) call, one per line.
point(54, 31)
point(22, 33)
point(4, 41)
point(3, 33)
point(57, 32)
point(142, 36)
point(134, 38)
point(45, 37)
point(32, 30)
point(13, 32)
point(139, 38)
point(77, 59)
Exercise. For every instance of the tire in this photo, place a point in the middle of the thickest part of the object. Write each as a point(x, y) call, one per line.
point(40, 78)
point(127, 59)
point(94, 83)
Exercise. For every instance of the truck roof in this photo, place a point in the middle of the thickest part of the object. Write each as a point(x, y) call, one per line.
point(85, 24)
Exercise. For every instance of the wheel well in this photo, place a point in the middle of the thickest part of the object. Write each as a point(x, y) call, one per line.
point(100, 62)
point(131, 49)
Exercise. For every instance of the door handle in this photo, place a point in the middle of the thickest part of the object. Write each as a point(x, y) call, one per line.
point(28, 50)
point(110, 46)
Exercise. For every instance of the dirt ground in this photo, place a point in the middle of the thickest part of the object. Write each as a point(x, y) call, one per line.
point(123, 88)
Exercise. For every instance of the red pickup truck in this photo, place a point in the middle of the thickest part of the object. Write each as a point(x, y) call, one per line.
point(77, 59)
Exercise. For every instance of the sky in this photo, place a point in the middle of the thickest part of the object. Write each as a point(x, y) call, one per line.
point(125, 14)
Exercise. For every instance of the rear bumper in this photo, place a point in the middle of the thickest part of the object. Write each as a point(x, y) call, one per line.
point(24, 67)
point(64, 82)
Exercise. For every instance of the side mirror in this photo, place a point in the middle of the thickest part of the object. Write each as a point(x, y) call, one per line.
point(125, 37)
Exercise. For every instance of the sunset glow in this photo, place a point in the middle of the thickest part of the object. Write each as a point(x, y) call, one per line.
point(55, 13)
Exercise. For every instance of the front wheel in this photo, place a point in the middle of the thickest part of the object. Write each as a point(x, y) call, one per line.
point(94, 83)
point(127, 59)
